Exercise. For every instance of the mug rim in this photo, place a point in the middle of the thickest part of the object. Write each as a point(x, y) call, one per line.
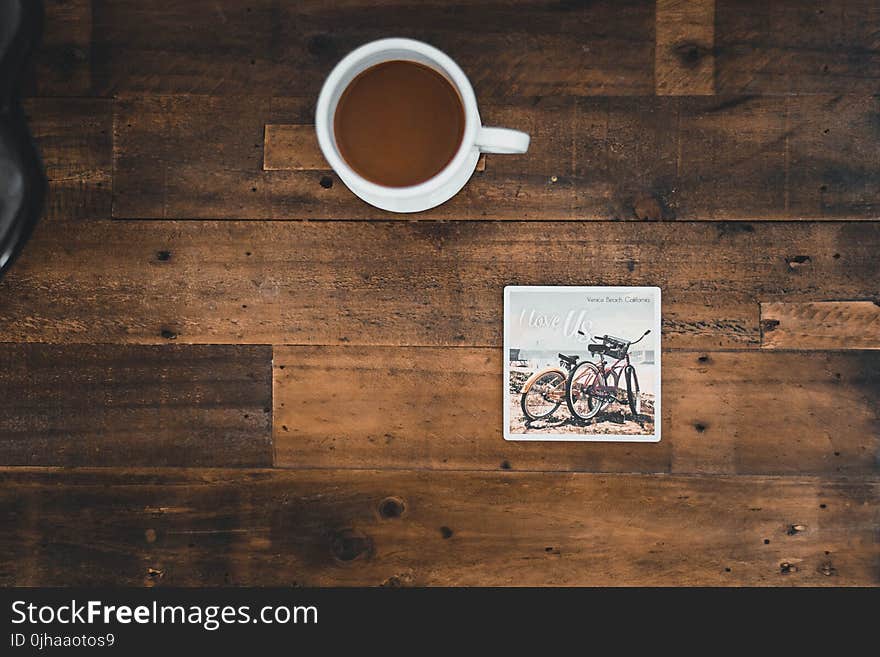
point(459, 80)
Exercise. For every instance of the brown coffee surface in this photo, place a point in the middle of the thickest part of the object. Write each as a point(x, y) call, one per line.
point(399, 123)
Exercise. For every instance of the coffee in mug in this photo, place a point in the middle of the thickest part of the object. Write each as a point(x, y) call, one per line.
point(399, 123)
point(397, 120)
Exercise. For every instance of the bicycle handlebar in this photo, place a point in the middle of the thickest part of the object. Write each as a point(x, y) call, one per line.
point(643, 336)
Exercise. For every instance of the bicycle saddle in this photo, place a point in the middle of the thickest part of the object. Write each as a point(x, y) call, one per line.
point(571, 360)
point(22, 183)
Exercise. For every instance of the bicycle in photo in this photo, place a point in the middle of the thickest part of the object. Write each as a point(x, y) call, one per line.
point(544, 391)
point(592, 386)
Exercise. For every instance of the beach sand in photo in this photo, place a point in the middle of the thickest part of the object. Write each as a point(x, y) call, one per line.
point(617, 419)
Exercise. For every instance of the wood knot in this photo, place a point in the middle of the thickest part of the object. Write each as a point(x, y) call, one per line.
point(768, 325)
point(168, 334)
point(163, 256)
point(798, 261)
point(326, 182)
point(690, 54)
point(700, 427)
point(155, 573)
point(391, 507)
point(445, 532)
point(397, 581)
point(150, 535)
point(346, 545)
point(648, 208)
point(70, 58)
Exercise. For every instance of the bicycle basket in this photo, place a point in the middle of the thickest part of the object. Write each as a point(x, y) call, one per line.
point(615, 347)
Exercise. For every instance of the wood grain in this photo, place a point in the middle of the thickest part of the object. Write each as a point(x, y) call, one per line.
point(292, 148)
point(130, 405)
point(265, 47)
point(270, 527)
point(745, 413)
point(820, 325)
point(790, 157)
point(650, 158)
point(75, 139)
point(684, 59)
point(215, 158)
point(62, 63)
point(509, 49)
point(124, 344)
point(797, 46)
point(418, 284)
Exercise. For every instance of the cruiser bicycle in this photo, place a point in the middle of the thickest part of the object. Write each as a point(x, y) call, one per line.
point(544, 391)
point(591, 387)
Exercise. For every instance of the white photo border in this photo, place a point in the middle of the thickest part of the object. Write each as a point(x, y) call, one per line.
point(627, 438)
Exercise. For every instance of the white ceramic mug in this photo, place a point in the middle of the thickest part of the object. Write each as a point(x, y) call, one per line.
point(446, 184)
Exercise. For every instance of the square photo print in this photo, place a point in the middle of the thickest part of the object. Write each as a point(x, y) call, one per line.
point(582, 363)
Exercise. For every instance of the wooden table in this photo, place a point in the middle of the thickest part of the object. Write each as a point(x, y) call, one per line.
point(217, 366)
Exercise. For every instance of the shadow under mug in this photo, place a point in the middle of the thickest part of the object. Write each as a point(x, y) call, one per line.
point(476, 139)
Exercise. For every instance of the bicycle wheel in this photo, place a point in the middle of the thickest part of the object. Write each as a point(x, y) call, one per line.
point(632, 391)
point(585, 391)
point(542, 394)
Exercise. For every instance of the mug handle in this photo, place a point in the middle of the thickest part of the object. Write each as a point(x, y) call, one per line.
point(502, 140)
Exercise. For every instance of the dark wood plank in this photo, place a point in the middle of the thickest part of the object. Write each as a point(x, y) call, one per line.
point(440, 408)
point(410, 283)
point(821, 325)
point(271, 527)
point(197, 157)
point(75, 139)
point(62, 64)
point(509, 49)
point(651, 158)
point(265, 47)
point(797, 46)
point(684, 60)
point(135, 405)
point(798, 157)
point(292, 148)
